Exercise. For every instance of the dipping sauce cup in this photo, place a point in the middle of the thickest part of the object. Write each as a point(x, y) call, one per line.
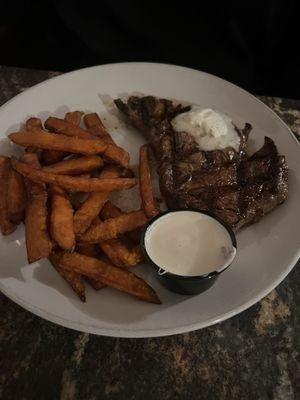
point(198, 239)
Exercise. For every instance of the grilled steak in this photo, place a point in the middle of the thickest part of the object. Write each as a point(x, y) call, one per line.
point(238, 189)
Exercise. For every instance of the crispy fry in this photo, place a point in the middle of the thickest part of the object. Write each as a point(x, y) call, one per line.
point(109, 210)
point(137, 254)
point(145, 184)
point(75, 166)
point(44, 140)
point(74, 117)
point(67, 128)
point(118, 278)
point(95, 126)
point(61, 219)
point(120, 255)
point(38, 243)
point(96, 284)
point(112, 153)
point(118, 252)
point(92, 119)
point(114, 227)
point(33, 123)
point(16, 196)
point(73, 183)
point(88, 249)
point(72, 278)
point(117, 155)
point(52, 156)
point(6, 225)
point(91, 207)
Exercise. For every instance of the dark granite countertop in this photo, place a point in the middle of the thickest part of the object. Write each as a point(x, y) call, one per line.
point(254, 355)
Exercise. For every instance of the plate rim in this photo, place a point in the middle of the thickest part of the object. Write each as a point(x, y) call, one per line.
point(157, 332)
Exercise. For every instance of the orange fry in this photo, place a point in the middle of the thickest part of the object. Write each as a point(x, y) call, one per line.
point(75, 166)
point(16, 197)
point(33, 123)
point(38, 243)
point(76, 184)
point(88, 249)
point(61, 219)
point(96, 284)
point(53, 156)
point(95, 126)
point(112, 153)
point(120, 255)
point(72, 278)
point(118, 278)
point(6, 225)
point(118, 252)
point(91, 207)
point(74, 117)
point(67, 128)
point(109, 210)
point(117, 155)
point(145, 184)
point(44, 140)
point(114, 227)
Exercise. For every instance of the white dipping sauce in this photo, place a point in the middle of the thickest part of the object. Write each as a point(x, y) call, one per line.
point(189, 243)
point(211, 129)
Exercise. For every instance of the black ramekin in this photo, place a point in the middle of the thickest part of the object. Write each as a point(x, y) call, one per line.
point(187, 285)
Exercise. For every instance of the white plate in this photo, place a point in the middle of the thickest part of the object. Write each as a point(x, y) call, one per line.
point(267, 251)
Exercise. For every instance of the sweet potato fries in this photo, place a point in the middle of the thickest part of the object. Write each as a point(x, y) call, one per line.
point(87, 239)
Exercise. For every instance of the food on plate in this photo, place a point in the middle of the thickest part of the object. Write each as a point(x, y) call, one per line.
point(220, 177)
point(91, 207)
point(74, 183)
point(212, 130)
point(53, 156)
point(88, 249)
point(97, 285)
point(61, 219)
point(33, 123)
point(16, 197)
point(65, 127)
point(118, 278)
point(52, 141)
point(75, 166)
point(189, 243)
point(145, 184)
point(95, 126)
point(114, 227)
point(62, 183)
point(6, 225)
point(74, 117)
point(112, 152)
point(119, 252)
point(72, 278)
point(110, 210)
point(38, 242)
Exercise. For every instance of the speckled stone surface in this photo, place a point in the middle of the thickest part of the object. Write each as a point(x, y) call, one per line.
point(254, 355)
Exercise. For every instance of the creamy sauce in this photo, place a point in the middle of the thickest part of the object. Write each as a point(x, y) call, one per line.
point(189, 243)
point(211, 129)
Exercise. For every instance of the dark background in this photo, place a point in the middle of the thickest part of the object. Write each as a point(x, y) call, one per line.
point(253, 44)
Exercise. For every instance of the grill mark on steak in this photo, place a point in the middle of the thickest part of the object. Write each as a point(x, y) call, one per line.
point(237, 189)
